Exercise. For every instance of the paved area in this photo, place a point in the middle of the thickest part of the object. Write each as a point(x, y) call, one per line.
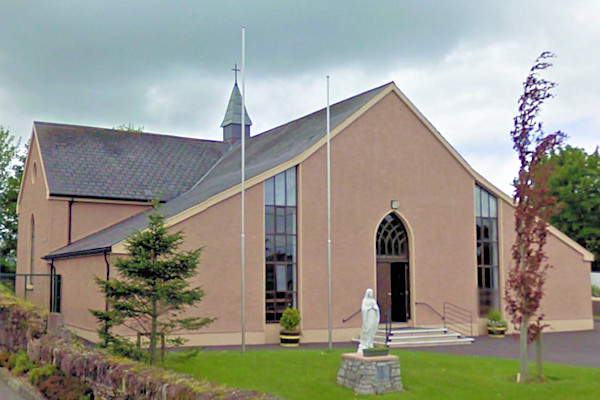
point(7, 394)
point(570, 348)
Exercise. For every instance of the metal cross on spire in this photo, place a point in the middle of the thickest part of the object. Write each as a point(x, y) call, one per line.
point(235, 70)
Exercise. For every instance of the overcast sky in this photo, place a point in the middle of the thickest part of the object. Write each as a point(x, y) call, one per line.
point(166, 66)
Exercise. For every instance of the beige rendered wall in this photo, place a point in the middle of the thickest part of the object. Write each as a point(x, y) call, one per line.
point(51, 224)
point(89, 217)
point(217, 230)
point(33, 202)
point(567, 303)
point(79, 291)
point(387, 154)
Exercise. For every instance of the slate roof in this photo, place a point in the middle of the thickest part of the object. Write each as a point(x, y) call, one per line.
point(263, 152)
point(111, 164)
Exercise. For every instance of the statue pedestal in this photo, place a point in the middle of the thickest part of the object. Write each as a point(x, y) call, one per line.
point(370, 375)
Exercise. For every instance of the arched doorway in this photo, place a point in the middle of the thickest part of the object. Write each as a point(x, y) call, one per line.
point(393, 281)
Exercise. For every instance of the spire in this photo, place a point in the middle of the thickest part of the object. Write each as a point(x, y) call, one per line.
point(232, 123)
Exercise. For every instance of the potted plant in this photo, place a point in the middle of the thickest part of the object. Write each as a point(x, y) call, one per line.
point(496, 326)
point(289, 335)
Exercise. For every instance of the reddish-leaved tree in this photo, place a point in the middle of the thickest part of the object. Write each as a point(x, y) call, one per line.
point(534, 206)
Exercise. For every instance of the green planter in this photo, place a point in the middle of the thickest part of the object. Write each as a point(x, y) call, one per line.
point(496, 331)
point(376, 352)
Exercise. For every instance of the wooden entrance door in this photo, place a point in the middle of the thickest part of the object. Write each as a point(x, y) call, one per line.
point(400, 289)
point(393, 280)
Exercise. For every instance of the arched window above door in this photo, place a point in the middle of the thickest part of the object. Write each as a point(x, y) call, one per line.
point(392, 241)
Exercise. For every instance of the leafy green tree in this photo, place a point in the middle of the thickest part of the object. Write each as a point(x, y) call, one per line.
point(152, 290)
point(576, 185)
point(11, 172)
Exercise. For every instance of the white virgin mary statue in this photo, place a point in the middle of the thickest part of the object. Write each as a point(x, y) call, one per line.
point(370, 320)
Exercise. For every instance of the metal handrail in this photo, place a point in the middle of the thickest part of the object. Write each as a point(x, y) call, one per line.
point(388, 324)
point(350, 317)
point(420, 303)
point(456, 317)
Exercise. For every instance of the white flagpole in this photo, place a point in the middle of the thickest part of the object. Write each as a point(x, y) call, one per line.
point(329, 221)
point(243, 167)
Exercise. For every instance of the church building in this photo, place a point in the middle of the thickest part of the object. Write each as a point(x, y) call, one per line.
point(410, 219)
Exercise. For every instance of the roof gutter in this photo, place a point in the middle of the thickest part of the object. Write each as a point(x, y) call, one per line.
point(80, 253)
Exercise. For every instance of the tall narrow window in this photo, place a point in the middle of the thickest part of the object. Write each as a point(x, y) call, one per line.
point(32, 250)
point(280, 244)
point(486, 216)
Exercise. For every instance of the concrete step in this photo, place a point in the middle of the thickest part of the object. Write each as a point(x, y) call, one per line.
point(412, 338)
point(415, 331)
point(435, 342)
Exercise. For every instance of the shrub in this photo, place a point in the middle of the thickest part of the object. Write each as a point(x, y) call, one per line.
point(290, 319)
point(40, 374)
point(22, 364)
point(61, 387)
point(494, 315)
point(595, 291)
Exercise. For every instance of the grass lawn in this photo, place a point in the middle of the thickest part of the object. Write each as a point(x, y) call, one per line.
point(311, 374)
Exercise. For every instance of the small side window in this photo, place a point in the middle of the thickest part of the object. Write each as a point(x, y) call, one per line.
point(34, 172)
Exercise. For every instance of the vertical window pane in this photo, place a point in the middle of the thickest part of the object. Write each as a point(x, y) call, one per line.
point(486, 254)
point(290, 182)
point(291, 248)
point(269, 219)
point(270, 191)
point(280, 244)
point(486, 229)
point(280, 220)
point(270, 277)
point(477, 201)
point(280, 247)
point(270, 247)
point(280, 189)
point(494, 229)
point(290, 220)
point(493, 207)
point(290, 277)
point(486, 223)
point(485, 209)
point(281, 278)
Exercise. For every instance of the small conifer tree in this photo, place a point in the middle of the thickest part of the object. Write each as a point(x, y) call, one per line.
point(152, 289)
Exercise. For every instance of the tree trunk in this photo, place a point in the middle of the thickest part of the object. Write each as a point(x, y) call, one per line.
point(538, 354)
point(153, 333)
point(524, 368)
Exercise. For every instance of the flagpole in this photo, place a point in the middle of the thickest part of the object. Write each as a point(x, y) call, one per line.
point(243, 167)
point(329, 221)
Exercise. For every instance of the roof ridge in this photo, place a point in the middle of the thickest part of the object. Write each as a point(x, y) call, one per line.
point(114, 130)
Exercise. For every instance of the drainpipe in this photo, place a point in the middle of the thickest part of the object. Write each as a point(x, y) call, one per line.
point(107, 276)
point(71, 201)
point(52, 286)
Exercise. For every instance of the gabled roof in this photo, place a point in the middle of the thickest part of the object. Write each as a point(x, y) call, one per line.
point(111, 164)
point(263, 152)
point(266, 155)
point(233, 115)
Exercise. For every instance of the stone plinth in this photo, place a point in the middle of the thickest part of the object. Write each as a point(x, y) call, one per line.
point(370, 375)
